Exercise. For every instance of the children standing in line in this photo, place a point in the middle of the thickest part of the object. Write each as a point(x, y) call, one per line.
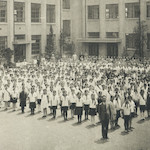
point(44, 103)
point(79, 107)
point(126, 114)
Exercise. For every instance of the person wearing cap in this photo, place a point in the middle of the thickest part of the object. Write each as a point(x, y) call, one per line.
point(54, 103)
point(86, 101)
point(79, 107)
point(105, 112)
point(93, 106)
point(65, 104)
point(44, 102)
point(148, 103)
point(23, 96)
point(32, 101)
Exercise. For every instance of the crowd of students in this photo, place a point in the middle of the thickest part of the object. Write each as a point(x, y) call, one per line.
point(108, 88)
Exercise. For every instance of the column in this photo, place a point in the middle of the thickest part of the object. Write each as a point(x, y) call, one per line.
point(28, 29)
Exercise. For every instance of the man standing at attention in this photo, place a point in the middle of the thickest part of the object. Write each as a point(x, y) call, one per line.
point(105, 111)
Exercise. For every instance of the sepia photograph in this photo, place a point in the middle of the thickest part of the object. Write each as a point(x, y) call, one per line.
point(74, 74)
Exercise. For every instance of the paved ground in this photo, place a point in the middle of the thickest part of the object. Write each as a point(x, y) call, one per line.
point(24, 132)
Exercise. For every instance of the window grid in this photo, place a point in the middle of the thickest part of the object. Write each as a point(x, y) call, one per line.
point(132, 10)
point(36, 47)
point(112, 11)
point(50, 14)
point(94, 34)
point(93, 12)
point(3, 42)
point(66, 27)
point(3, 11)
point(35, 12)
point(20, 8)
point(112, 34)
point(20, 37)
point(148, 41)
point(148, 9)
point(66, 4)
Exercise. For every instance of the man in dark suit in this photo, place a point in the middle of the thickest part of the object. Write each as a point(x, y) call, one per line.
point(104, 110)
point(23, 97)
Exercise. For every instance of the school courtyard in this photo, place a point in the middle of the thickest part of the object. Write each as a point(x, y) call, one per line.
point(25, 132)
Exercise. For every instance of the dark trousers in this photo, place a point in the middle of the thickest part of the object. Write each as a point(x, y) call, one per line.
point(86, 114)
point(65, 113)
point(54, 113)
point(32, 111)
point(117, 117)
point(126, 122)
point(22, 108)
point(79, 118)
point(105, 124)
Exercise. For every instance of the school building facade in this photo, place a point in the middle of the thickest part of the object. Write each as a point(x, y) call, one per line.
point(97, 27)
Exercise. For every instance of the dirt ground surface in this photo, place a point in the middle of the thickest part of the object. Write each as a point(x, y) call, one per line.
point(25, 132)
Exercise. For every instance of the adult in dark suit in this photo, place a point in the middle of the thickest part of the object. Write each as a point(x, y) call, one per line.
point(104, 110)
point(148, 103)
point(23, 96)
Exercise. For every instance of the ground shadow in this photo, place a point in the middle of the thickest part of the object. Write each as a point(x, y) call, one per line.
point(101, 141)
point(29, 115)
point(63, 121)
point(41, 118)
point(20, 113)
point(141, 121)
point(91, 126)
point(12, 111)
point(148, 119)
point(52, 119)
point(123, 133)
point(76, 124)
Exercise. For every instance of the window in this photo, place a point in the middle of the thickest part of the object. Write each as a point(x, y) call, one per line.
point(36, 47)
point(3, 11)
point(112, 34)
point(94, 34)
point(50, 13)
point(66, 27)
point(132, 10)
point(20, 37)
point(111, 11)
point(66, 4)
point(148, 41)
point(35, 12)
point(19, 7)
point(148, 9)
point(131, 40)
point(93, 12)
point(3, 42)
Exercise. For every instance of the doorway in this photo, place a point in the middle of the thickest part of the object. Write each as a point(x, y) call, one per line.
point(19, 52)
point(93, 49)
point(112, 50)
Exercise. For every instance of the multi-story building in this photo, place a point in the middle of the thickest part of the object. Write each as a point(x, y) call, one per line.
point(25, 25)
point(108, 25)
point(97, 27)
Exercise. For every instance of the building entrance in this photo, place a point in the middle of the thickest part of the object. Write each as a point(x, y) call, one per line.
point(19, 52)
point(112, 50)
